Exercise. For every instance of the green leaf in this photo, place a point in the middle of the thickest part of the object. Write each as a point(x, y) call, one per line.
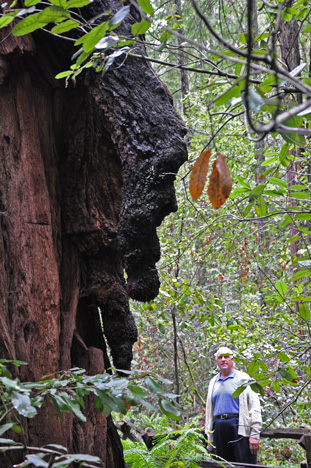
point(300, 195)
point(5, 427)
point(261, 207)
point(264, 383)
point(81, 457)
point(247, 210)
point(253, 368)
point(145, 5)
point(92, 38)
point(10, 383)
point(22, 404)
point(283, 357)
point(83, 57)
point(53, 14)
point(283, 151)
point(297, 122)
point(281, 287)
point(148, 405)
point(285, 161)
point(276, 180)
point(153, 386)
point(232, 92)
point(75, 408)
point(287, 221)
point(304, 311)
point(298, 187)
point(287, 376)
point(60, 3)
point(257, 388)
point(294, 238)
point(29, 3)
point(59, 404)
point(242, 38)
point(141, 27)
point(36, 21)
point(300, 274)
point(303, 216)
point(276, 386)
point(28, 25)
point(137, 391)
point(243, 183)
point(170, 410)
point(108, 403)
point(64, 74)
point(7, 441)
point(261, 36)
point(119, 399)
point(161, 328)
point(268, 162)
point(238, 391)
point(263, 366)
point(5, 20)
point(36, 460)
point(287, 17)
point(238, 191)
point(268, 171)
point(76, 4)
point(256, 192)
point(65, 27)
point(270, 81)
point(302, 14)
point(275, 193)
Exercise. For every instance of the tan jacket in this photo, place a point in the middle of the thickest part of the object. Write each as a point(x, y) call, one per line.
point(250, 422)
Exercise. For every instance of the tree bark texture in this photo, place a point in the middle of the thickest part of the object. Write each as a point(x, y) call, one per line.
point(86, 176)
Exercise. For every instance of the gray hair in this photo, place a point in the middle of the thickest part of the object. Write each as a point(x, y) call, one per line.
point(224, 350)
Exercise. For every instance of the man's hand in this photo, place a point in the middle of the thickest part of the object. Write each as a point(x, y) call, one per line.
point(210, 447)
point(253, 445)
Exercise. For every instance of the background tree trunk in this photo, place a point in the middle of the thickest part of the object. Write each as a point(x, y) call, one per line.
point(86, 176)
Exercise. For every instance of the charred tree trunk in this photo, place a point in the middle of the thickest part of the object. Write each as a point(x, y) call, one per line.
point(86, 176)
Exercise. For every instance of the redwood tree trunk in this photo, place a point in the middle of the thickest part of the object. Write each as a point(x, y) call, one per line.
point(86, 176)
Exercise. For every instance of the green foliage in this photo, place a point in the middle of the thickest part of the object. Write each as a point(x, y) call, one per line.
point(184, 449)
point(67, 391)
point(99, 36)
point(283, 453)
point(231, 276)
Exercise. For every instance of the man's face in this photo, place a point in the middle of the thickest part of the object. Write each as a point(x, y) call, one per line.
point(225, 363)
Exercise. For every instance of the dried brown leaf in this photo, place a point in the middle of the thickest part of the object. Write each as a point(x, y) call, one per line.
point(220, 184)
point(198, 174)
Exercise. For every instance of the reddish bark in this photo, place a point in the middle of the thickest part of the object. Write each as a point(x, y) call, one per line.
point(86, 176)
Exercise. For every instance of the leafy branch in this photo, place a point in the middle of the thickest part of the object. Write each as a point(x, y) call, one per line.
point(66, 391)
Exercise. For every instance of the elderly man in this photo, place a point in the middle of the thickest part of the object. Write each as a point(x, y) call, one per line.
point(233, 425)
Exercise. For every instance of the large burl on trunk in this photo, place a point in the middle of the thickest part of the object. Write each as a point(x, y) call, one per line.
point(86, 176)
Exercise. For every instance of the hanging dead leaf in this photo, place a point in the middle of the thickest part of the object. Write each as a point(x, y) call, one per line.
point(220, 183)
point(198, 174)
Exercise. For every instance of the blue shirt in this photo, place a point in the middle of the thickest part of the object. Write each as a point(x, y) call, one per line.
point(222, 394)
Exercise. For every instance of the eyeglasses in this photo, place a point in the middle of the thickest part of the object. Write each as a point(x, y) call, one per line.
point(224, 356)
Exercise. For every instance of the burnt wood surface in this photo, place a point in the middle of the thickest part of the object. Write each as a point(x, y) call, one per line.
point(86, 176)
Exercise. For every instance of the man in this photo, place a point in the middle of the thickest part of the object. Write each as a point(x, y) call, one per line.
point(233, 425)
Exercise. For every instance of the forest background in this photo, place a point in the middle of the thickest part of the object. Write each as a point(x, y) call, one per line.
point(238, 275)
point(235, 269)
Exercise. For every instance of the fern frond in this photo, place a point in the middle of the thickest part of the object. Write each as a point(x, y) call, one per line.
point(138, 458)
